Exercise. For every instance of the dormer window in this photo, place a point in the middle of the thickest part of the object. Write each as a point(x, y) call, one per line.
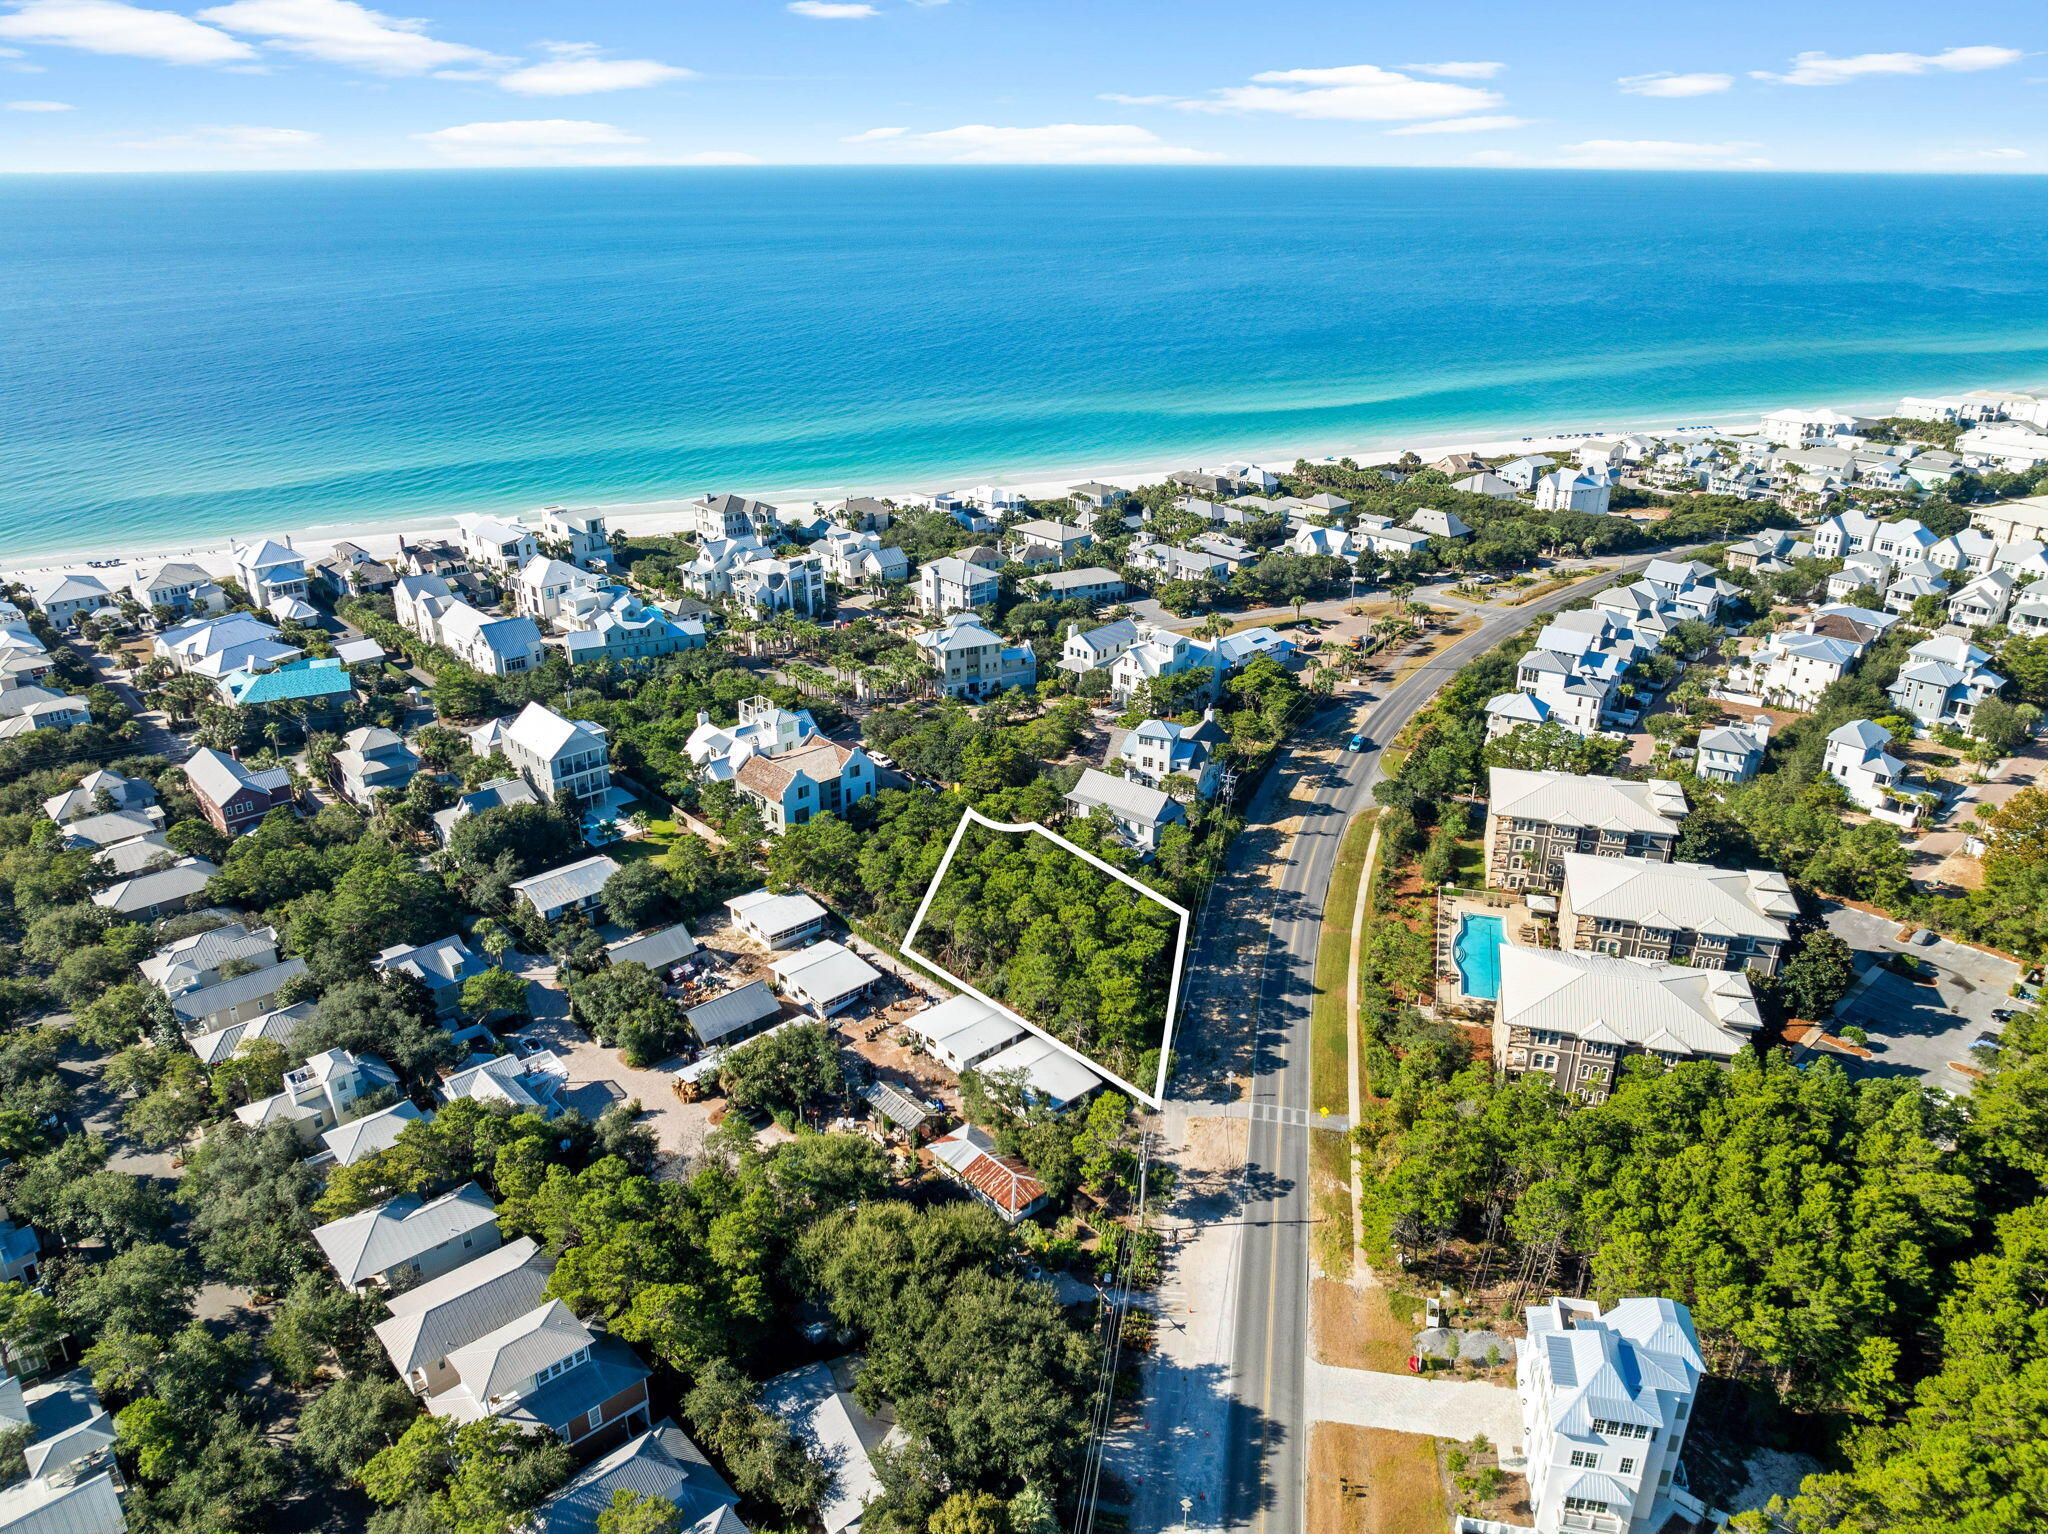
point(561, 1366)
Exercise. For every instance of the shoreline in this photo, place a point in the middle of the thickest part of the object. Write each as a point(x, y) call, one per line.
point(113, 562)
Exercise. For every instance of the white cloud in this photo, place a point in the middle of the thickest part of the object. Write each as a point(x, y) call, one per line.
point(828, 10)
point(1461, 125)
point(1350, 93)
point(1667, 84)
point(343, 32)
point(576, 70)
point(249, 139)
point(1821, 69)
point(1967, 156)
point(1652, 153)
point(1054, 144)
point(40, 106)
point(544, 141)
point(1134, 101)
point(714, 157)
point(108, 26)
point(542, 133)
point(874, 135)
point(1457, 71)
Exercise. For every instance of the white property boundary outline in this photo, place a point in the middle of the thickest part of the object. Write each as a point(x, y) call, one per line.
point(1154, 1099)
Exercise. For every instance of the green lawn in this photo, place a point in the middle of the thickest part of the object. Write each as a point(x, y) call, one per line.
point(662, 834)
point(1329, 1070)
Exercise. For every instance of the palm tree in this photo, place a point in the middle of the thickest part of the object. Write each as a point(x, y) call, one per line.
point(914, 672)
point(492, 933)
point(806, 678)
point(740, 626)
point(185, 694)
point(1297, 602)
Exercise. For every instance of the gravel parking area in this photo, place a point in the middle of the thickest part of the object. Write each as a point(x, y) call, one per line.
point(598, 1078)
point(1920, 1030)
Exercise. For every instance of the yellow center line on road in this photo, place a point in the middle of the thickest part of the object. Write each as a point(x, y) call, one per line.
point(1272, 1313)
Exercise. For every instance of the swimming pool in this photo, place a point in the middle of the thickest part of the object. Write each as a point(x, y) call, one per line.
point(1477, 952)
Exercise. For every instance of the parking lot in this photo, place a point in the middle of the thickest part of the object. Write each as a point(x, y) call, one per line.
point(1919, 1030)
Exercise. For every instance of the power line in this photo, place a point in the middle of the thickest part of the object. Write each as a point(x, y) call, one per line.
point(1115, 1306)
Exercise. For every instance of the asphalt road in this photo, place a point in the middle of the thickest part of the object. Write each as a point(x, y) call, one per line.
point(1246, 1022)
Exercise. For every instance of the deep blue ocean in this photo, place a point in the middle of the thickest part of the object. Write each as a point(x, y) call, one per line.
point(185, 356)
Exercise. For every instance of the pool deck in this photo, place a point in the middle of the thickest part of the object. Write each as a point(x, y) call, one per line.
point(1519, 926)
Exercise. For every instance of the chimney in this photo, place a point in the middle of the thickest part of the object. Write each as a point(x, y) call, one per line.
point(1762, 723)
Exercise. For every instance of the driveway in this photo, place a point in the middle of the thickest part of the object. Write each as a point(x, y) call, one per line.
point(598, 1078)
point(1918, 1030)
point(1404, 1403)
point(1939, 856)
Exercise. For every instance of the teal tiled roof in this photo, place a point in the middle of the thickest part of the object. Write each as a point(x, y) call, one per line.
point(300, 679)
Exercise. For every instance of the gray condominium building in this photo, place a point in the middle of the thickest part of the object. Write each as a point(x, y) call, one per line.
point(1679, 913)
point(1534, 819)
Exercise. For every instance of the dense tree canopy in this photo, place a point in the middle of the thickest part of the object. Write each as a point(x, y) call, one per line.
point(1066, 945)
point(1804, 1217)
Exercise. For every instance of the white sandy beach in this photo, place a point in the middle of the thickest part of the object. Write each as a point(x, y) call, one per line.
point(115, 563)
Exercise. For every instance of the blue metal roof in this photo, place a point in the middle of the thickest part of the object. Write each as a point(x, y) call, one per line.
point(299, 679)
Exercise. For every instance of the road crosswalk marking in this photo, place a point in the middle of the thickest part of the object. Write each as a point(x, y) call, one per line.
point(1297, 1118)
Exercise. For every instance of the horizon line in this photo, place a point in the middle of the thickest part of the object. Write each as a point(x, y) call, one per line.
point(941, 165)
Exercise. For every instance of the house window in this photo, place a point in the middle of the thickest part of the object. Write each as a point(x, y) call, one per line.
point(1584, 1505)
point(561, 1366)
point(1585, 1459)
point(1628, 1466)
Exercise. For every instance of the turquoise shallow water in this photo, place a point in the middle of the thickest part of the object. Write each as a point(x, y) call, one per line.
point(183, 356)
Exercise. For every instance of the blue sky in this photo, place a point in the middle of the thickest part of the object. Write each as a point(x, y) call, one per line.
point(100, 85)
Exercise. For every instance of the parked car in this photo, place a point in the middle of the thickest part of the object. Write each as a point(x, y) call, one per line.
point(2003, 1014)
